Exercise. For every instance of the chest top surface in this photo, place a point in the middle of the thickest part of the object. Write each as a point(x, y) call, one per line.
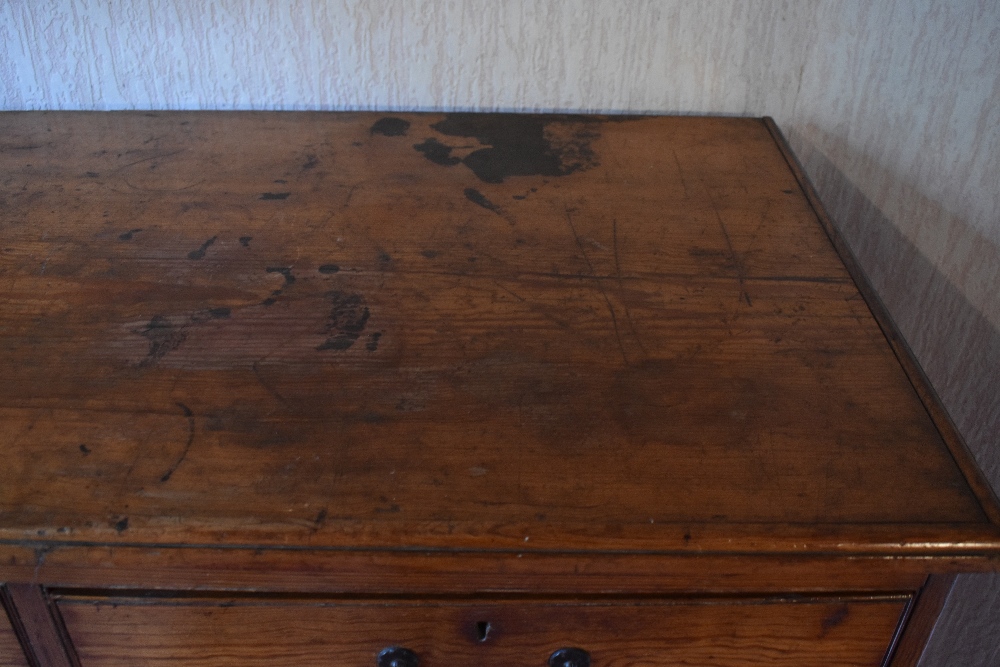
point(451, 331)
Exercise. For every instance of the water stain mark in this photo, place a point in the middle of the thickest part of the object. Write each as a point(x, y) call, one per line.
point(200, 252)
point(390, 127)
point(477, 197)
point(517, 145)
point(286, 273)
point(437, 152)
point(347, 320)
point(164, 336)
point(384, 260)
point(834, 619)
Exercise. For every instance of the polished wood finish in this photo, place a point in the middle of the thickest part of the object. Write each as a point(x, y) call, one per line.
point(412, 356)
point(802, 633)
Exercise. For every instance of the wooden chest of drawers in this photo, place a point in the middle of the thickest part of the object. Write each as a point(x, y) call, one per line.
point(347, 389)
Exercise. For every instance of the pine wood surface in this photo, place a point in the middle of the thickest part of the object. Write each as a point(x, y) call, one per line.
point(120, 631)
point(451, 332)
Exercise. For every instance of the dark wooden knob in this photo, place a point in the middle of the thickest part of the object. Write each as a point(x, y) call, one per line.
point(397, 656)
point(569, 657)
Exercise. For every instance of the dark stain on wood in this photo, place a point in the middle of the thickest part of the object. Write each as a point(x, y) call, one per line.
point(200, 252)
point(127, 236)
point(120, 525)
point(835, 618)
point(373, 341)
point(477, 197)
point(390, 127)
point(437, 152)
point(245, 241)
point(285, 271)
point(516, 145)
point(329, 268)
point(164, 336)
point(268, 196)
point(348, 317)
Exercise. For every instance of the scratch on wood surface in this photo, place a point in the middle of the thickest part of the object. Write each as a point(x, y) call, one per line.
point(563, 324)
point(737, 260)
point(680, 173)
point(600, 286)
point(621, 286)
point(187, 446)
point(158, 156)
point(350, 193)
point(40, 554)
point(263, 383)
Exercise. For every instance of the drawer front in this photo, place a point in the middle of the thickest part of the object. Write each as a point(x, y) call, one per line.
point(125, 631)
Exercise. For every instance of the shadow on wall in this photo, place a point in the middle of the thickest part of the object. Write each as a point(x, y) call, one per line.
point(957, 347)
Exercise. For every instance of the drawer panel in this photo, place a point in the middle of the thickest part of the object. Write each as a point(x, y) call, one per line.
point(773, 632)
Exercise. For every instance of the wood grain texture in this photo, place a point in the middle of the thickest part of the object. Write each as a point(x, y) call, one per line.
point(210, 339)
point(11, 654)
point(120, 631)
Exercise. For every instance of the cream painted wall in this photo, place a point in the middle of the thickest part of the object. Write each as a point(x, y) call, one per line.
point(893, 107)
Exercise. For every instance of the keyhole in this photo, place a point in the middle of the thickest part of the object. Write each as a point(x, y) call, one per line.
point(483, 630)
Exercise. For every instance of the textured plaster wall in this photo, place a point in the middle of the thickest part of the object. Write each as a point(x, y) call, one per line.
point(893, 107)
